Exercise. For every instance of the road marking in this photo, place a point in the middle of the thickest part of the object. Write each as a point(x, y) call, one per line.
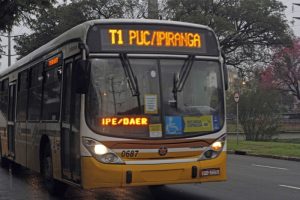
point(291, 187)
point(271, 167)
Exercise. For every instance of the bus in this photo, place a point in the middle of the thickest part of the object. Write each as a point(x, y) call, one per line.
point(116, 103)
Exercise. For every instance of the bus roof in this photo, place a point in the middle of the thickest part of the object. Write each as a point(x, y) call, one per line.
point(80, 32)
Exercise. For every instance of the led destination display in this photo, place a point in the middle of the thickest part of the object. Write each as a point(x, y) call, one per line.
point(124, 121)
point(154, 38)
point(146, 38)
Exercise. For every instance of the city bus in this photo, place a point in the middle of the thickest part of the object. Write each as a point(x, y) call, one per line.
point(116, 103)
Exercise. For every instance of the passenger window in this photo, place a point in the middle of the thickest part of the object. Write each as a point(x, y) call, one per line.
point(4, 98)
point(22, 96)
point(51, 98)
point(35, 92)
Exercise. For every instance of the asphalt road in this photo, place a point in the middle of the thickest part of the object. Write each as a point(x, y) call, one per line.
point(248, 178)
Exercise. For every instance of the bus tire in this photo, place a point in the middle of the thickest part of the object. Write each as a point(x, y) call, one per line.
point(4, 162)
point(53, 186)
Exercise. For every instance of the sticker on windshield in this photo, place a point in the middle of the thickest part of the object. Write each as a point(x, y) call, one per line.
point(151, 106)
point(155, 130)
point(216, 122)
point(173, 125)
point(199, 123)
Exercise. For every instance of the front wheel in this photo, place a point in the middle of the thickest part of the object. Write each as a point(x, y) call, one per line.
point(4, 162)
point(53, 186)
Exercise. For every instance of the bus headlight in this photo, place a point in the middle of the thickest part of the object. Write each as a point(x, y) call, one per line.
point(101, 152)
point(100, 149)
point(214, 150)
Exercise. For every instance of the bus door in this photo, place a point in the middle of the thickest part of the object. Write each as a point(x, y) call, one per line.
point(70, 134)
point(11, 119)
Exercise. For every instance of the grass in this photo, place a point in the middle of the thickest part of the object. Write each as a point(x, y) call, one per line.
point(266, 148)
point(293, 127)
point(294, 141)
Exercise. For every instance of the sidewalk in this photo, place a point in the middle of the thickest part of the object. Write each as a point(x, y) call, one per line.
point(247, 153)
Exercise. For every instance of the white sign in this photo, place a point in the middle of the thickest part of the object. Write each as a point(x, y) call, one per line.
point(155, 130)
point(236, 97)
point(151, 106)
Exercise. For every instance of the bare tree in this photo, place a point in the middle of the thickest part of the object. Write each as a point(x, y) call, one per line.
point(285, 69)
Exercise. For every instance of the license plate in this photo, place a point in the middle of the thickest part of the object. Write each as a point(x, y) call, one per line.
point(210, 172)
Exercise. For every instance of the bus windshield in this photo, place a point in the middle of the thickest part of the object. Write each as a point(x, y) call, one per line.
point(157, 108)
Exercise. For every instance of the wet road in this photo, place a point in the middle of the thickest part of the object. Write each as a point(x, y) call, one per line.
point(249, 178)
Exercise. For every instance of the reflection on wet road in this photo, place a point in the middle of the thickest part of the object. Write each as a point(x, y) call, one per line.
point(28, 185)
point(248, 178)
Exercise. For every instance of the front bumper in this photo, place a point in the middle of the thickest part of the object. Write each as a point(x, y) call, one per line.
point(96, 174)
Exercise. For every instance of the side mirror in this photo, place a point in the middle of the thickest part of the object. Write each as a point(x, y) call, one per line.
point(225, 72)
point(59, 74)
point(82, 76)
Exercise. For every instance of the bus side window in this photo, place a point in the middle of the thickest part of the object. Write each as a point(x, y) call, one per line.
point(51, 97)
point(4, 98)
point(35, 92)
point(1, 94)
point(22, 96)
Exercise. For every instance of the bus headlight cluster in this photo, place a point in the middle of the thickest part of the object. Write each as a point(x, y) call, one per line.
point(101, 152)
point(214, 150)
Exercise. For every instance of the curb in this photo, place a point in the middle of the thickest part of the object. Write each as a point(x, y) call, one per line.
point(241, 152)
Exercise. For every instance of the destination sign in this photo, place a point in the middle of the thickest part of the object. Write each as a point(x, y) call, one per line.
point(146, 38)
point(154, 38)
point(124, 121)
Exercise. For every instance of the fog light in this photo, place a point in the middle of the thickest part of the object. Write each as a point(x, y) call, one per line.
point(109, 158)
point(208, 154)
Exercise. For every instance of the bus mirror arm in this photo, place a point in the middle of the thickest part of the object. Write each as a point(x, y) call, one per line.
point(85, 47)
point(225, 71)
point(82, 76)
point(225, 76)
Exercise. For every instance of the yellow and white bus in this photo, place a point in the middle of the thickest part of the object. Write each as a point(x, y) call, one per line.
point(114, 103)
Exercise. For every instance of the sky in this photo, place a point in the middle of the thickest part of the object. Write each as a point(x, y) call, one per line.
point(291, 11)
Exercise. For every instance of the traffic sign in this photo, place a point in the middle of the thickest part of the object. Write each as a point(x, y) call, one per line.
point(236, 97)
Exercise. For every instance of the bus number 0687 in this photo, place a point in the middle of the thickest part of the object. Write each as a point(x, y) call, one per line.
point(130, 153)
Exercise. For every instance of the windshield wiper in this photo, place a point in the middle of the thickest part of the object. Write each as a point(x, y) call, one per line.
point(178, 82)
point(184, 73)
point(131, 78)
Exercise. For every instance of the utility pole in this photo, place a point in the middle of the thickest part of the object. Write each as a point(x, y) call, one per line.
point(296, 4)
point(153, 9)
point(9, 55)
point(9, 49)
